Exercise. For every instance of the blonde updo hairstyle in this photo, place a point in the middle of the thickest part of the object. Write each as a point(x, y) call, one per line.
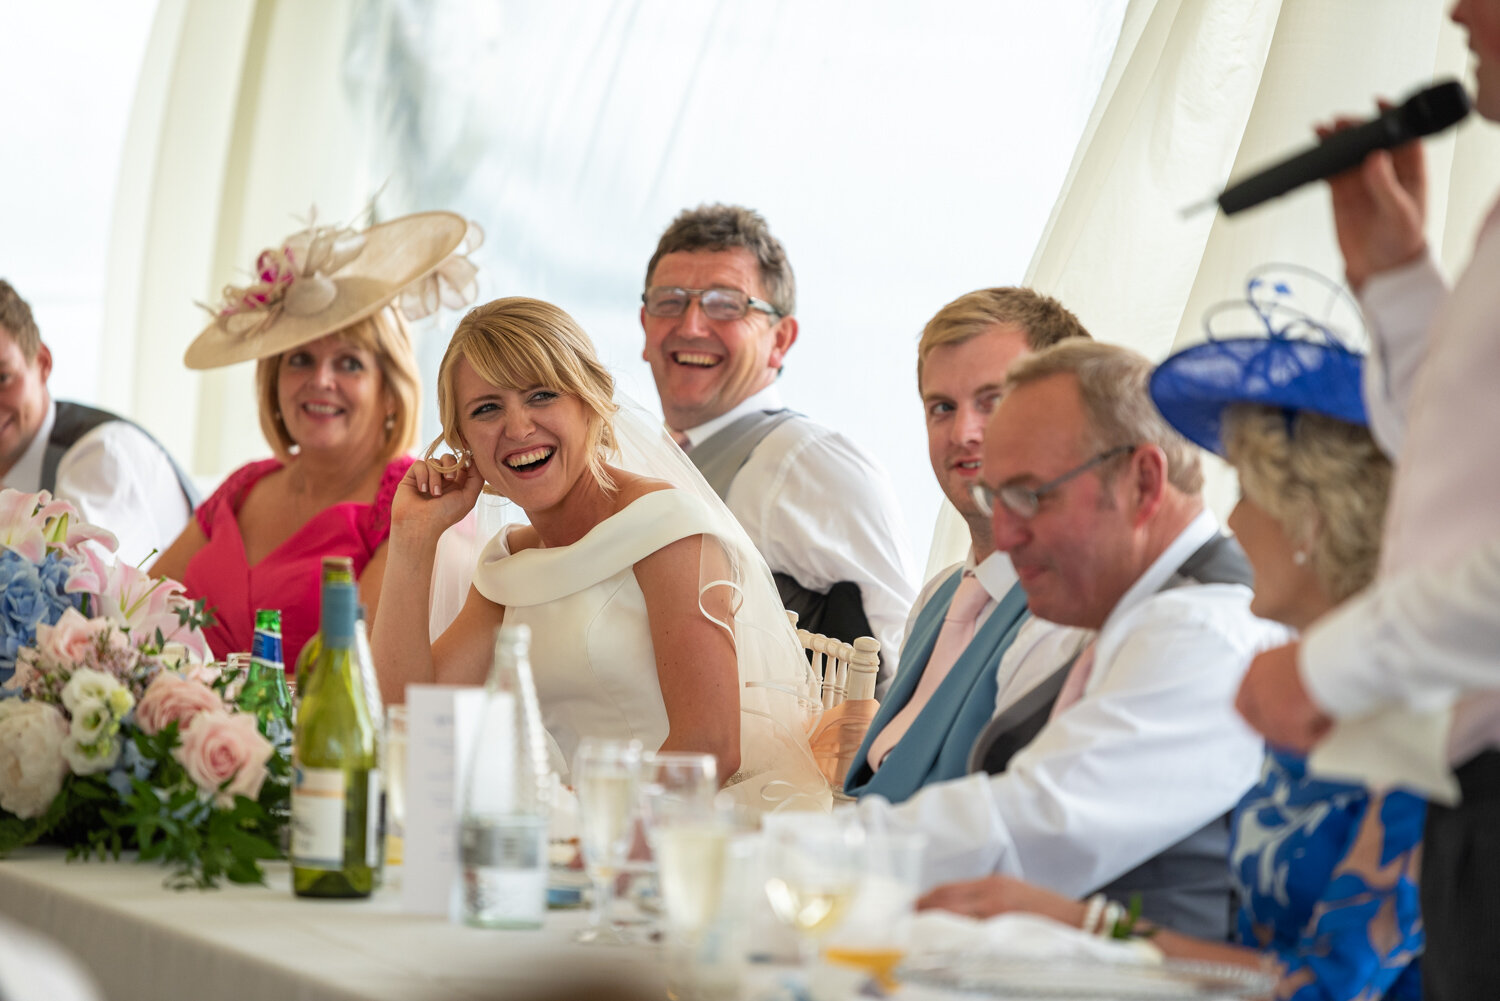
point(1324, 481)
point(384, 334)
point(517, 343)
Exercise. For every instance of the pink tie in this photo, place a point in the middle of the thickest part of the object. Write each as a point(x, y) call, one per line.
point(1076, 681)
point(953, 639)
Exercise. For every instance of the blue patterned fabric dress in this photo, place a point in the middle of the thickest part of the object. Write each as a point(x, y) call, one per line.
point(1327, 874)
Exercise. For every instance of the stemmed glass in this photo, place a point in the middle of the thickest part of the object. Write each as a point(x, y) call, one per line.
point(677, 814)
point(813, 868)
point(606, 776)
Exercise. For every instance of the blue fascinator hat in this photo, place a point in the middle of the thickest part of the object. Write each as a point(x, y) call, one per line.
point(1276, 349)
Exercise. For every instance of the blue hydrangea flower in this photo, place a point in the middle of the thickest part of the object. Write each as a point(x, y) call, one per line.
point(132, 765)
point(29, 593)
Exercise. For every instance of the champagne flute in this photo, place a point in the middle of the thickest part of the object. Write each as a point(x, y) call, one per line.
point(813, 867)
point(685, 833)
point(606, 775)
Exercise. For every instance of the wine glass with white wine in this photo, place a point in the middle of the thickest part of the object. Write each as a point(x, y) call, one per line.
point(606, 776)
point(813, 866)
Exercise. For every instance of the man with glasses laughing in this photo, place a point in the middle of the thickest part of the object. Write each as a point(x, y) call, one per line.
point(718, 313)
point(1111, 769)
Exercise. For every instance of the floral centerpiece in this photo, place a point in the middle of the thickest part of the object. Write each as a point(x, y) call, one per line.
point(115, 733)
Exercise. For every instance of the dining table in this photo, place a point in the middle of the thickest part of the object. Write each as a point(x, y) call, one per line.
point(142, 940)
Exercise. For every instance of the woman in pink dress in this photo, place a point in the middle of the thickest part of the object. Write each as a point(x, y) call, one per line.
point(339, 399)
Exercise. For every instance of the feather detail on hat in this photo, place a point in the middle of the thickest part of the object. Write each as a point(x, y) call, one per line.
point(1288, 357)
point(323, 279)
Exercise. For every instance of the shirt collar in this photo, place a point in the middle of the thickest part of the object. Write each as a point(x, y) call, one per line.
point(767, 399)
point(26, 474)
point(995, 573)
point(1188, 541)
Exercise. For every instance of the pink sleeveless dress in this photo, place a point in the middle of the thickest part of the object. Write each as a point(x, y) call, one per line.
point(288, 577)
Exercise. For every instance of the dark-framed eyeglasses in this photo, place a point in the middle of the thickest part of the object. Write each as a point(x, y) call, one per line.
point(1023, 502)
point(717, 303)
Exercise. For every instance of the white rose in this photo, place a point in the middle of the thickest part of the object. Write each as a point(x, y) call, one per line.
point(87, 685)
point(91, 721)
point(89, 759)
point(32, 766)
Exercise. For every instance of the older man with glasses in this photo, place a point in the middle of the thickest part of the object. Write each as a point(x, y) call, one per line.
point(1111, 769)
point(718, 313)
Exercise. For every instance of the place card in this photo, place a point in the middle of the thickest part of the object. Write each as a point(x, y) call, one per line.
point(442, 722)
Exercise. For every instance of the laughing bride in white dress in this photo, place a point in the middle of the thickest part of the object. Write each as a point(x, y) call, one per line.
point(652, 615)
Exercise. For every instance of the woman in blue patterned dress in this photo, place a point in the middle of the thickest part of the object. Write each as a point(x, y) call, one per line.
point(1326, 871)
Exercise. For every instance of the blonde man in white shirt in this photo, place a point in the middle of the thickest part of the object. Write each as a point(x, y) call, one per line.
point(1426, 635)
point(112, 471)
point(719, 317)
point(1114, 770)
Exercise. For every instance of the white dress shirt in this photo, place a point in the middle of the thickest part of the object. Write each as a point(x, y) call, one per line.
point(1152, 752)
point(1428, 631)
point(118, 479)
point(820, 509)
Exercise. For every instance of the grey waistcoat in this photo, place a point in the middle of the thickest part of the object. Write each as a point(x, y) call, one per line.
point(74, 420)
point(1186, 887)
point(839, 613)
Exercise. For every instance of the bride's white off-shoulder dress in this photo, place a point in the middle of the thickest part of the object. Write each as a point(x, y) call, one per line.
point(592, 654)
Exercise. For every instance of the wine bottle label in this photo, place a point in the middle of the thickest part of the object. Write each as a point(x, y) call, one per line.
point(318, 796)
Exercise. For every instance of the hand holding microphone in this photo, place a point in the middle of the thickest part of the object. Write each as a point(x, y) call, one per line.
point(1379, 209)
point(1424, 113)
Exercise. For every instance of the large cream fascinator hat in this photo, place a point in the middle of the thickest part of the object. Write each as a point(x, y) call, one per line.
point(325, 278)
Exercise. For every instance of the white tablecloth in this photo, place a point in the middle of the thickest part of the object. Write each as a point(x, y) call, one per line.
point(143, 941)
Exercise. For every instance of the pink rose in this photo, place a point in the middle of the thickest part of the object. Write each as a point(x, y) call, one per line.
point(171, 698)
point(219, 748)
point(71, 639)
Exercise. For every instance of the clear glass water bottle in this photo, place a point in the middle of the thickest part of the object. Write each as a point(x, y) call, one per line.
point(507, 800)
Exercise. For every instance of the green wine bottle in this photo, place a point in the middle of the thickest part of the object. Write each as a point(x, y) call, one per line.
point(336, 849)
point(341, 568)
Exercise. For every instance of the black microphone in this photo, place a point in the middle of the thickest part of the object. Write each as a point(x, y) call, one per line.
point(1425, 112)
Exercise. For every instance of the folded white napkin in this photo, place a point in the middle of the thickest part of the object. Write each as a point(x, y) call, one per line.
point(1023, 936)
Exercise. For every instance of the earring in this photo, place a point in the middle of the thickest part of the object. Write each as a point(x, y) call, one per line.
point(1300, 557)
point(390, 423)
point(277, 417)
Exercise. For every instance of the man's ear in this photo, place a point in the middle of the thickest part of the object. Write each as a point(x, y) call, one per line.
point(44, 361)
point(644, 356)
point(783, 336)
point(1146, 482)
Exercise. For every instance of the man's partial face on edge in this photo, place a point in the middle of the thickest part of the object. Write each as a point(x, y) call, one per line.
point(1073, 557)
point(1481, 18)
point(961, 385)
point(23, 397)
point(704, 367)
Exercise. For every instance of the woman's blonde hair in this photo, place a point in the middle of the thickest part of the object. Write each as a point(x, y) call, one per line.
point(384, 334)
point(1324, 481)
point(517, 343)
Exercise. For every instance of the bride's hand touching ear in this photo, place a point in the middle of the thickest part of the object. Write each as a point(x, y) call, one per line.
point(434, 495)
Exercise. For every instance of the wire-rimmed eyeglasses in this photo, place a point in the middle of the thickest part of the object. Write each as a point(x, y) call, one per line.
point(1023, 502)
point(717, 303)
